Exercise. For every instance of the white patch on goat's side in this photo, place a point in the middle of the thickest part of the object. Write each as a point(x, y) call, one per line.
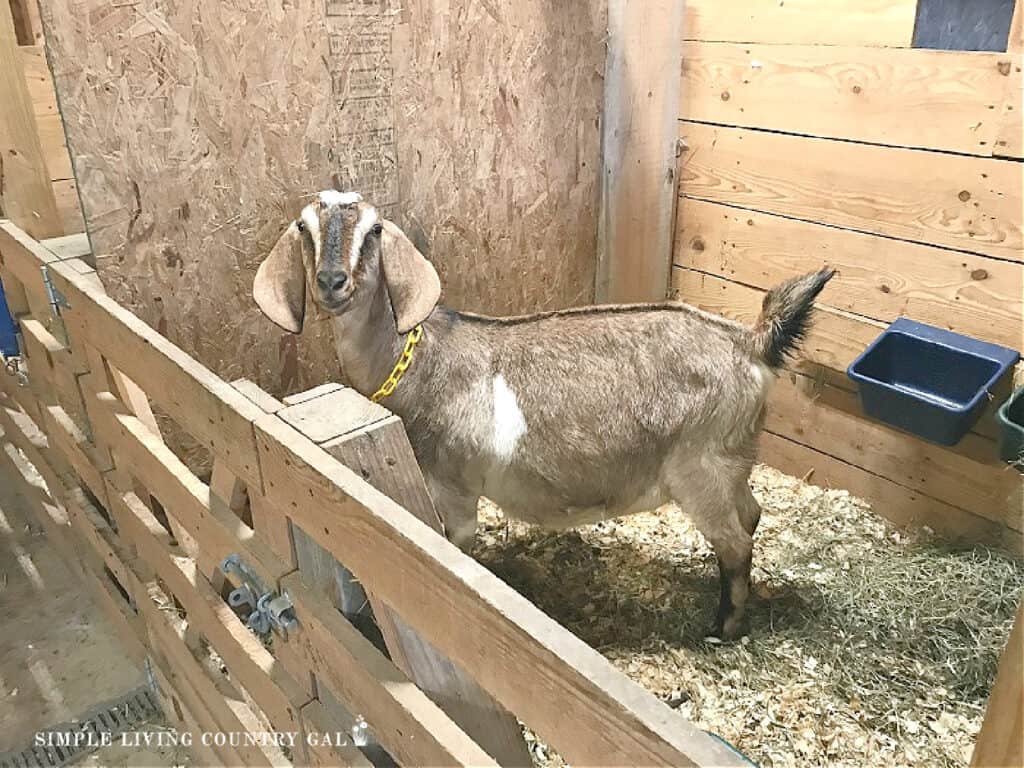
point(366, 220)
point(509, 423)
point(334, 197)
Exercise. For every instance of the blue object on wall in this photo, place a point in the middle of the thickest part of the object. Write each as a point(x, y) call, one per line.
point(8, 333)
point(927, 380)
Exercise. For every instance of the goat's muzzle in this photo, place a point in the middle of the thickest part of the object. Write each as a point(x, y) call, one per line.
point(331, 288)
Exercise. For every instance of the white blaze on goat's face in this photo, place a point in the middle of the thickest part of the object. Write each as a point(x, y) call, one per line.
point(367, 218)
point(509, 423)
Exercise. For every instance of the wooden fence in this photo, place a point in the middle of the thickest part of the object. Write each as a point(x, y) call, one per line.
point(296, 488)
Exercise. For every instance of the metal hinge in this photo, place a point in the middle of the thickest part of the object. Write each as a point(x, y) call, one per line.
point(267, 609)
point(55, 297)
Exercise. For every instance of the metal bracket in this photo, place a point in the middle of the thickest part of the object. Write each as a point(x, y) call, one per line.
point(267, 609)
point(55, 297)
point(12, 367)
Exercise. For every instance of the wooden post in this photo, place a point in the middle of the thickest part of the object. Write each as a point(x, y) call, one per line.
point(641, 112)
point(1001, 741)
point(26, 194)
point(372, 442)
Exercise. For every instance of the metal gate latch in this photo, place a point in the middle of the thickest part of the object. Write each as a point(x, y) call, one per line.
point(55, 297)
point(12, 367)
point(267, 609)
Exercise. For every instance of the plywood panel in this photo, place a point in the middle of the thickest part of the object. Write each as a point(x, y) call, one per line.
point(498, 107)
point(948, 100)
point(832, 22)
point(968, 203)
point(219, 121)
point(877, 277)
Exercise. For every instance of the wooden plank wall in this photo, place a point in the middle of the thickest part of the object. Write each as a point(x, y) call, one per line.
point(813, 133)
point(37, 186)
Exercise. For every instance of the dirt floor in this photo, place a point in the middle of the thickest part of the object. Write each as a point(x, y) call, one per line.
point(866, 646)
point(58, 657)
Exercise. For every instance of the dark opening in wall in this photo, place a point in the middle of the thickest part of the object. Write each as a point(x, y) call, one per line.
point(963, 25)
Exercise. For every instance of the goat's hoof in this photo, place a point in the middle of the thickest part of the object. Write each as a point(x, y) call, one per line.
point(726, 631)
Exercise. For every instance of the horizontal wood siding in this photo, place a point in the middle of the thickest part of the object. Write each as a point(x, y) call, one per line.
point(949, 100)
point(816, 22)
point(877, 276)
point(967, 203)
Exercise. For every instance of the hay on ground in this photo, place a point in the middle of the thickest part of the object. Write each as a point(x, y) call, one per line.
point(867, 645)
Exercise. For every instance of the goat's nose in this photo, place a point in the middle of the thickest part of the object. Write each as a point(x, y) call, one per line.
point(331, 282)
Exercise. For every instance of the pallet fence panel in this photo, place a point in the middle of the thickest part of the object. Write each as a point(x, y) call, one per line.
point(130, 505)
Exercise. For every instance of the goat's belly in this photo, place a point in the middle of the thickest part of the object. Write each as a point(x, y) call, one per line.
point(562, 508)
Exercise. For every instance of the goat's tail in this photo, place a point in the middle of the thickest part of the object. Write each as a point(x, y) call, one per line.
point(786, 316)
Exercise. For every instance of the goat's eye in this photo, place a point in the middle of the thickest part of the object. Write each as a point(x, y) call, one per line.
point(300, 225)
point(377, 228)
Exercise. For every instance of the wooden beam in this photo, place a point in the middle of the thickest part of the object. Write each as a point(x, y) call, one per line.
point(838, 22)
point(369, 440)
point(909, 97)
point(968, 203)
point(638, 147)
point(25, 192)
point(1001, 740)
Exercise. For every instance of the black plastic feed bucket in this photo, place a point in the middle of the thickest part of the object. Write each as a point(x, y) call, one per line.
point(1011, 422)
point(928, 381)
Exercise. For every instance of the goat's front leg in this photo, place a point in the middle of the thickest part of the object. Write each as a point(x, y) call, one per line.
point(457, 509)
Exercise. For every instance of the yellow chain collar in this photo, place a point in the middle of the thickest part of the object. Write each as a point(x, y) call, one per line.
point(404, 361)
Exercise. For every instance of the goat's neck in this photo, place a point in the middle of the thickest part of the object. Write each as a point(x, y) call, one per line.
point(368, 344)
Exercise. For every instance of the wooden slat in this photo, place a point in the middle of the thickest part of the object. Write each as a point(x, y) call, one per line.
point(205, 406)
point(829, 420)
point(69, 207)
point(949, 100)
point(877, 277)
point(641, 99)
point(411, 727)
point(25, 194)
point(892, 501)
point(199, 692)
point(1001, 740)
point(834, 340)
point(1009, 140)
point(1015, 41)
point(181, 493)
point(567, 692)
point(54, 147)
point(969, 203)
point(247, 660)
point(38, 80)
point(322, 752)
point(815, 22)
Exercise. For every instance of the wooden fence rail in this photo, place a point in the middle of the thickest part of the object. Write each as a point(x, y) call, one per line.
point(297, 489)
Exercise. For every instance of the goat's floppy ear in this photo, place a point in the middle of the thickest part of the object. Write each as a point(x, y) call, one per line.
point(280, 285)
point(413, 285)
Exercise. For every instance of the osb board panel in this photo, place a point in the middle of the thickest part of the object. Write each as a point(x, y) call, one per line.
point(198, 129)
point(498, 106)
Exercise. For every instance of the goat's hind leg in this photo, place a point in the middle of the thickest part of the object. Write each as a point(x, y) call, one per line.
point(726, 515)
